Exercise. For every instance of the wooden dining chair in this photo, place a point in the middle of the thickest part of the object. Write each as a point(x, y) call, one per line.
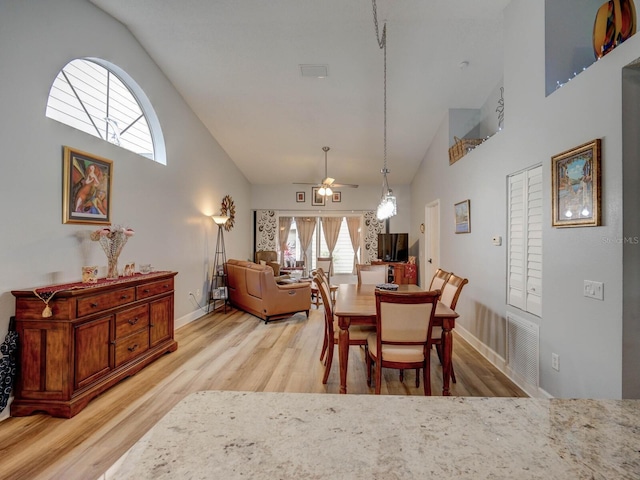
point(357, 333)
point(450, 295)
point(439, 279)
point(404, 321)
point(325, 263)
point(371, 274)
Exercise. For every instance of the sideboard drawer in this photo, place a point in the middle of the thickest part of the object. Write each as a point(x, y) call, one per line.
point(131, 320)
point(131, 346)
point(154, 288)
point(104, 301)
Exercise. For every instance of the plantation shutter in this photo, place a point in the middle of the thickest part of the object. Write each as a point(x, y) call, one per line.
point(524, 267)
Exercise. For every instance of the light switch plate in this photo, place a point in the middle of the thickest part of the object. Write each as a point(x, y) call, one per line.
point(594, 289)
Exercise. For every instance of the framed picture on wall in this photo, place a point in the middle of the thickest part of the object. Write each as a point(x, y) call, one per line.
point(316, 198)
point(575, 186)
point(463, 216)
point(336, 197)
point(300, 197)
point(86, 187)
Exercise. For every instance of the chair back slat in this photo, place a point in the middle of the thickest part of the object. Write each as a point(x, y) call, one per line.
point(405, 317)
point(451, 291)
point(439, 279)
point(371, 274)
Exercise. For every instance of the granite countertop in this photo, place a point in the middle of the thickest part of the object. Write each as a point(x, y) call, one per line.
point(229, 435)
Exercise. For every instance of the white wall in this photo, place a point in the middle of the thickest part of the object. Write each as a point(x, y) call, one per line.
point(166, 205)
point(283, 197)
point(586, 333)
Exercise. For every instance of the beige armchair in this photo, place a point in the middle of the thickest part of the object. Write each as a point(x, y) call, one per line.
point(269, 257)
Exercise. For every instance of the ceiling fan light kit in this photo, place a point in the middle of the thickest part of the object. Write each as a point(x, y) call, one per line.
point(328, 183)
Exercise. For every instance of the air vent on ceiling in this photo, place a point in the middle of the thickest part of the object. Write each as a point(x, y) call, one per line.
point(314, 71)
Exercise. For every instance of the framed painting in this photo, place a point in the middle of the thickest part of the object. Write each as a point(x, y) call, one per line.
point(336, 197)
point(575, 186)
point(86, 188)
point(316, 198)
point(463, 216)
point(300, 197)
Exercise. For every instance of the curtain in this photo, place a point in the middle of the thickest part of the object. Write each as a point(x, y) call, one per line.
point(353, 223)
point(305, 226)
point(283, 235)
point(331, 229)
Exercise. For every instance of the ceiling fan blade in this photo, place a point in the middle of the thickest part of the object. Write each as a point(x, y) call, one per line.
point(305, 183)
point(340, 185)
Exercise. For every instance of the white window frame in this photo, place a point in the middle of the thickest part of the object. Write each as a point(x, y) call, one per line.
point(65, 104)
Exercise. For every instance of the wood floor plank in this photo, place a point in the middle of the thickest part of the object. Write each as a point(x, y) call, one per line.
point(221, 351)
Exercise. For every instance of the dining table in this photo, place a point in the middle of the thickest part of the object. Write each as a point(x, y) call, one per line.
point(356, 305)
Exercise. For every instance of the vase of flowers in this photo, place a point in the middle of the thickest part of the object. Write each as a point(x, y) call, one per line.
point(112, 240)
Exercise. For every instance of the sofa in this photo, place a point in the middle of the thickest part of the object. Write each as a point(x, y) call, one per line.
point(253, 288)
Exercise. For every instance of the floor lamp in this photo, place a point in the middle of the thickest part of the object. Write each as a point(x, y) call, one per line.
point(218, 277)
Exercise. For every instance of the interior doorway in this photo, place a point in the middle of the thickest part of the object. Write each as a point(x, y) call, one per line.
point(431, 240)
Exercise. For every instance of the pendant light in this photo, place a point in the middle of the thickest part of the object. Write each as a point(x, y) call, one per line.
point(387, 206)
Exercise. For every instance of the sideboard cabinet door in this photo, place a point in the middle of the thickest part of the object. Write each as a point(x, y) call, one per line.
point(161, 320)
point(93, 347)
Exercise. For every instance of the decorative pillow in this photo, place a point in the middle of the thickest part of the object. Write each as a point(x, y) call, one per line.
point(263, 262)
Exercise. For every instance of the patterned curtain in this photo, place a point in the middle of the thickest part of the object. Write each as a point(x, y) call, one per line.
point(305, 226)
point(331, 229)
point(353, 223)
point(283, 235)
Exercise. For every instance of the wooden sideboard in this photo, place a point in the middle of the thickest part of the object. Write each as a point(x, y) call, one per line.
point(96, 336)
point(400, 273)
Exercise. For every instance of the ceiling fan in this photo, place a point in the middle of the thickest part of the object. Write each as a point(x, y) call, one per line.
point(328, 182)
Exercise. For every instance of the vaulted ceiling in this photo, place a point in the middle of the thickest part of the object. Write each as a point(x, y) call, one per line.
point(237, 63)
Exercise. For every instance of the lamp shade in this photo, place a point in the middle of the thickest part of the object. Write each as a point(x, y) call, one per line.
point(219, 219)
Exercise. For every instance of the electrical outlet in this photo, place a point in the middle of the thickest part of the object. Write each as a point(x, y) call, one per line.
point(555, 362)
point(198, 293)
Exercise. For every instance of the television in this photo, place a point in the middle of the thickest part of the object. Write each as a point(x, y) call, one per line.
point(393, 247)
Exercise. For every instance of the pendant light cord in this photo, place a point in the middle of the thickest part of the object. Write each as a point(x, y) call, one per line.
point(382, 43)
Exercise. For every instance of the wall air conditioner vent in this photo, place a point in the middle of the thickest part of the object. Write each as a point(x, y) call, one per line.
point(523, 353)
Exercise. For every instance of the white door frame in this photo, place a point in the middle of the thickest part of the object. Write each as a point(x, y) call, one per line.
point(431, 240)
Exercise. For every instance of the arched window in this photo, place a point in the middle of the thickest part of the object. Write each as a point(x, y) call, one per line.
point(100, 99)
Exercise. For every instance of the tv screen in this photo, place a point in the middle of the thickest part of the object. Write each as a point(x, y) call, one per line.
point(393, 247)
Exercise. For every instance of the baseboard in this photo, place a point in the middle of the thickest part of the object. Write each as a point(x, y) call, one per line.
point(491, 355)
point(188, 318)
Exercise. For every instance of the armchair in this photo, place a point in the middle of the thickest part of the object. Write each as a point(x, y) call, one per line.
point(269, 257)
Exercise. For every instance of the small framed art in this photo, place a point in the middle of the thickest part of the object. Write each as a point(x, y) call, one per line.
point(300, 197)
point(575, 186)
point(86, 188)
point(316, 198)
point(336, 197)
point(463, 216)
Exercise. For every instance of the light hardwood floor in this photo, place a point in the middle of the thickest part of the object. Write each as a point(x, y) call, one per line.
point(232, 351)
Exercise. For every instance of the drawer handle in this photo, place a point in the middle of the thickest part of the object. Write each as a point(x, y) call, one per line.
point(165, 286)
point(124, 297)
point(94, 305)
point(146, 290)
point(133, 348)
point(133, 321)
